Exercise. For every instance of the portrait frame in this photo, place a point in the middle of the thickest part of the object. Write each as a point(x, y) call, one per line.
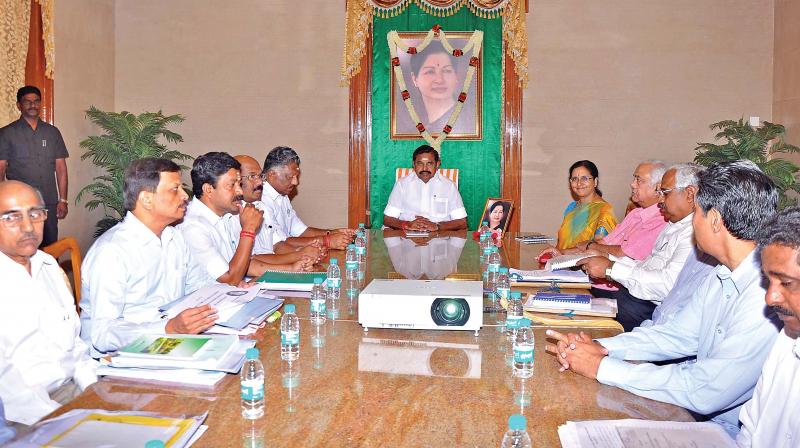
point(508, 208)
point(469, 125)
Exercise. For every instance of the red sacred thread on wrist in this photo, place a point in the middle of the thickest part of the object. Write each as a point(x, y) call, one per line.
point(246, 234)
point(404, 225)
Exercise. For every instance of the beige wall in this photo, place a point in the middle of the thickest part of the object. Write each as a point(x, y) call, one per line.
point(786, 88)
point(618, 82)
point(614, 83)
point(84, 76)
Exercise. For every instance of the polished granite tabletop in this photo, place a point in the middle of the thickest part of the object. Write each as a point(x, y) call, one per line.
point(389, 387)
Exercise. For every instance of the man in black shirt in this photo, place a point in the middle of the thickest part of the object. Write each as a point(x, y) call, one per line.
point(31, 151)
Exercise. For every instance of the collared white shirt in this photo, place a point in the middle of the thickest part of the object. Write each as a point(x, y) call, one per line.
point(772, 417)
point(263, 242)
point(726, 326)
point(280, 214)
point(40, 343)
point(652, 278)
point(209, 238)
point(436, 260)
point(127, 275)
point(437, 200)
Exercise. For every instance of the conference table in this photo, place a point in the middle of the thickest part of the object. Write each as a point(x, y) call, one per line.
point(392, 387)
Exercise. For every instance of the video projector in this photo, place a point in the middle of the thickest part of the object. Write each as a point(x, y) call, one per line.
point(422, 305)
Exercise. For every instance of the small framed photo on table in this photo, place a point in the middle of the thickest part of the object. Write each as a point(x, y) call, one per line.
point(497, 213)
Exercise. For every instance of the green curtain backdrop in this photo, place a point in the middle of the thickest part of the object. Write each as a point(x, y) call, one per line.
point(478, 161)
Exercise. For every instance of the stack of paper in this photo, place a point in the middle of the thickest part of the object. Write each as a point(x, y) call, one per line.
point(289, 281)
point(642, 434)
point(557, 300)
point(80, 428)
point(543, 276)
point(565, 261)
point(598, 307)
point(534, 238)
point(187, 359)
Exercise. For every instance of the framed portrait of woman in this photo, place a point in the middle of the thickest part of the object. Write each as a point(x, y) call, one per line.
point(497, 213)
point(434, 78)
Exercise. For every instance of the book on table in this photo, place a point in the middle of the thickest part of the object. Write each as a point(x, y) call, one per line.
point(574, 279)
point(289, 281)
point(186, 347)
point(560, 300)
point(598, 307)
point(565, 261)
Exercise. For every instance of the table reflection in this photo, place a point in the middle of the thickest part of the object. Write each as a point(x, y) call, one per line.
point(432, 258)
point(406, 357)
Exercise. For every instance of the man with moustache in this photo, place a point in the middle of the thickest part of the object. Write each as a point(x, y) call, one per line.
point(141, 264)
point(43, 360)
point(282, 175)
point(645, 283)
point(772, 417)
point(221, 256)
point(296, 259)
point(31, 150)
point(425, 200)
point(726, 325)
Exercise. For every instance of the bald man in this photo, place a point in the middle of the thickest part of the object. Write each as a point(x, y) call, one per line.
point(286, 257)
point(43, 361)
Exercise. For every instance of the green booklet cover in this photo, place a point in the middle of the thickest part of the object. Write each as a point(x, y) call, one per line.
point(181, 347)
point(291, 277)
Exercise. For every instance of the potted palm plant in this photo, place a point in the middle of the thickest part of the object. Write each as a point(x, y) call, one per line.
point(759, 144)
point(126, 137)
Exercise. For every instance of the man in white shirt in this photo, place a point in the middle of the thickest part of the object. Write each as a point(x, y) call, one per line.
point(43, 361)
point(772, 417)
point(222, 256)
point(141, 264)
point(434, 258)
point(726, 325)
point(645, 283)
point(425, 200)
point(282, 171)
point(297, 259)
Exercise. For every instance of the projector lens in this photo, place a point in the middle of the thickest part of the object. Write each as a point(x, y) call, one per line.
point(450, 311)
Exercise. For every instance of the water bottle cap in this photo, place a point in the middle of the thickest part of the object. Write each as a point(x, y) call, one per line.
point(318, 281)
point(486, 223)
point(361, 225)
point(289, 308)
point(517, 422)
point(516, 295)
point(334, 261)
point(483, 236)
point(351, 246)
point(525, 322)
point(251, 353)
point(504, 270)
point(154, 444)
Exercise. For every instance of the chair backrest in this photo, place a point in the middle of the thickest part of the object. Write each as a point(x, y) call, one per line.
point(450, 173)
point(69, 245)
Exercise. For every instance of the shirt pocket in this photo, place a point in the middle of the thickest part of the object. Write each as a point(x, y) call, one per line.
point(439, 207)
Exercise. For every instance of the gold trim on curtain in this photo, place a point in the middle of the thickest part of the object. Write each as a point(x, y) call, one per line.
point(359, 15)
point(14, 28)
point(48, 36)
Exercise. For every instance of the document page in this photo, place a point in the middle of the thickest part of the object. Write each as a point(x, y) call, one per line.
point(632, 433)
point(221, 297)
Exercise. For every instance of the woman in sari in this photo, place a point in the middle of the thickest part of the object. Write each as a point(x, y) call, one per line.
point(589, 216)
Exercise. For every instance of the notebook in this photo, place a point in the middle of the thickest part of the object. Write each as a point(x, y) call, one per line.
point(290, 281)
point(161, 346)
point(560, 301)
point(564, 261)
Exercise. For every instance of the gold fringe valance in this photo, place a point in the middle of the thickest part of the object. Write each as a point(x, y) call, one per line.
point(14, 25)
point(359, 16)
point(48, 36)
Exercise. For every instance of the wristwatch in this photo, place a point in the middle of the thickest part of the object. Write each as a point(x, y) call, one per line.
point(608, 271)
point(63, 201)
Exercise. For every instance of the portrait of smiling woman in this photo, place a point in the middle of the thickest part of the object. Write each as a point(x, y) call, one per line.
point(497, 212)
point(434, 79)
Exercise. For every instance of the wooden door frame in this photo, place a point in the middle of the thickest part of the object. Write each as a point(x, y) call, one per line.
point(361, 140)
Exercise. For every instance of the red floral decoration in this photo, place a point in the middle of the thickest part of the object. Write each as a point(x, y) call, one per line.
point(404, 94)
point(462, 97)
point(447, 129)
point(457, 52)
point(420, 127)
point(395, 61)
point(436, 28)
point(473, 61)
point(412, 50)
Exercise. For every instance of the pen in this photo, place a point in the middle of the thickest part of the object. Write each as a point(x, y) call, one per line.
point(275, 316)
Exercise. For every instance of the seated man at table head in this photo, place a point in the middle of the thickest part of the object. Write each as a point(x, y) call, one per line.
point(297, 259)
point(644, 284)
point(726, 325)
point(141, 264)
point(222, 256)
point(282, 170)
point(425, 200)
point(772, 417)
point(43, 360)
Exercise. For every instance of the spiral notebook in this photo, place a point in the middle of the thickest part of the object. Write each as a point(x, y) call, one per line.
point(559, 300)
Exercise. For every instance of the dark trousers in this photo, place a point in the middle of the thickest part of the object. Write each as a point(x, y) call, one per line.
point(50, 226)
point(631, 312)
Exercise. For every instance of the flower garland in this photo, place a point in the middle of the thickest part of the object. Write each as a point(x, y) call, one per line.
point(474, 43)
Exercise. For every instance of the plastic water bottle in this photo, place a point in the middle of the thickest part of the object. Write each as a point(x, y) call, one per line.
point(361, 245)
point(514, 313)
point(502, 287)
point(492, 269)
point(317, 313)
point(516, 436)
point(252, 381)
point(484, 229)
point(485, 246)
point(523, 350)
point(334, 280)
point(290, 334)
point(351, 271)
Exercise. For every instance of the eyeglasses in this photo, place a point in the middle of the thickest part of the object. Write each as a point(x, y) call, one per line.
point(252, 177)
point(582, 179)
point(14, 219)
point(665, 191)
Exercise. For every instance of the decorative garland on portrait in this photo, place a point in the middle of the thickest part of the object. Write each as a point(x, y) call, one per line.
point(474, 43)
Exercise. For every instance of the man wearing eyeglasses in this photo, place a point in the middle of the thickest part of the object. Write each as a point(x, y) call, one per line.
point(31, 150)
point(645, 283)
point(43, 361)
